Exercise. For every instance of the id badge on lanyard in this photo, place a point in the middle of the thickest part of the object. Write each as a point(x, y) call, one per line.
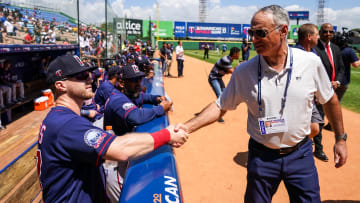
point(273, 124)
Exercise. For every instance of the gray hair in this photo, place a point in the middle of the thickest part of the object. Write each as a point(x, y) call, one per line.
point(280, 15)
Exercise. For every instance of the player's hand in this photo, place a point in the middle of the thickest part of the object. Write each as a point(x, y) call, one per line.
point(92, 113)
point(166, 105)
point(160, 99)
point(340, 153)
point(334, 84)
point(181, 126)
point(178, 138)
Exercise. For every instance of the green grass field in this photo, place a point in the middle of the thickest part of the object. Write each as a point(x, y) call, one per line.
point(350, 101)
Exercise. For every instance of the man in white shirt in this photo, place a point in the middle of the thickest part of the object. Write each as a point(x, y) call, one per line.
point(180, 59)
point(278, 86)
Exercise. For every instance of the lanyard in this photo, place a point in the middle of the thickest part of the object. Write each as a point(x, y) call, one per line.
point(283, 100)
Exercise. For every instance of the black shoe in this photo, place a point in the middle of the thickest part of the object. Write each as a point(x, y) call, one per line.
point(328, 127)
point(321, 155)
point(221, 120)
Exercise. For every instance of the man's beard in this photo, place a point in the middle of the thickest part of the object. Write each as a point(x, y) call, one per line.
point(130, 94)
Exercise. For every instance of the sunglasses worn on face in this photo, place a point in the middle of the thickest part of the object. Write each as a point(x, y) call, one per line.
point(260, 32)
point(328, 31)
point(80, 76)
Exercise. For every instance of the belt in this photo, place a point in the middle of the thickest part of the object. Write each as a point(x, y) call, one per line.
point(285, 150)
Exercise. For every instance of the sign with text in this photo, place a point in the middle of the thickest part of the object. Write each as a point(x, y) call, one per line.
point(293, 15)
point(131, 27)
point(165, 28)
point(244, 31)
point(179, 29)
point(213, 30)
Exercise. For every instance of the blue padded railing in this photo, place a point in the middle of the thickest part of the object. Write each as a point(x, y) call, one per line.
point(153, 178)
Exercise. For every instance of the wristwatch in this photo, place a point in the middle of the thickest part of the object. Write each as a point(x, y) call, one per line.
point(341, 137)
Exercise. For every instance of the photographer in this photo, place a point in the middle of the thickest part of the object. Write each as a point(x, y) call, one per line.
point(245, 47)
point(349, 57)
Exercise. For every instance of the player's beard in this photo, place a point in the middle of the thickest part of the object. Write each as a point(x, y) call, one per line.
point(81, 93)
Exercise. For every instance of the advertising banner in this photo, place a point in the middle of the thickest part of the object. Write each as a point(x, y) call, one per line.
point(213, 30)
point(244, 31)
point(294, 31)
point(179, 29)
point(166, 28)
point(131, 27)
point(304, 15)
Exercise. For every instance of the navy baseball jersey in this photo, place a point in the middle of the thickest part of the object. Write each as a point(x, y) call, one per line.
point(220, 68)
point(69, 158)
point(103, 93)
point(124, 114)
point(349, 57)
point(91, 105)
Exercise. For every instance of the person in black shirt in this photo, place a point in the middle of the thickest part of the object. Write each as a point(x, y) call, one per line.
point(222, 67)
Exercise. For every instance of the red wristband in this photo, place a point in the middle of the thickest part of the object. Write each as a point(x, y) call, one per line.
point(161, 137)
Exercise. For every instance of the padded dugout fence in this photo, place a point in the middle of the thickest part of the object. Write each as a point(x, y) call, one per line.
point(153, 178)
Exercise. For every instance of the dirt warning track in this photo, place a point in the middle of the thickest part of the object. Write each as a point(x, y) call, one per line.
point(212, 164)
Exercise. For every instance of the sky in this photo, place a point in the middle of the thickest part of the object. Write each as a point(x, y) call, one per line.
point(342, 13)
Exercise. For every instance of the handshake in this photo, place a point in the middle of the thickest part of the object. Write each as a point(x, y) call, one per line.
point(178, 135)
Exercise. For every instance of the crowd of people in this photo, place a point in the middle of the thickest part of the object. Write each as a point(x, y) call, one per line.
point(19, 26)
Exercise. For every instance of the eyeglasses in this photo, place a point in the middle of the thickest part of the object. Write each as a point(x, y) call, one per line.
point(260, 32)
point(327, 31)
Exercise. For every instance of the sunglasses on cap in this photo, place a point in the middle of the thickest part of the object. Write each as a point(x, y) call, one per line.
point(260, 32)
point(328, 31)
point(79, 76)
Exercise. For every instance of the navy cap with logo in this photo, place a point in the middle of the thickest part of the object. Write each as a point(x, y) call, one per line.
point(113, 71)
point(64, 66)
point(131, 71)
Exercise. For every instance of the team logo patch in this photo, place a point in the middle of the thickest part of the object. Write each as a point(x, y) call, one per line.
point(135, 68)
point(128, 106)
point(94, 138)
point(58, 73)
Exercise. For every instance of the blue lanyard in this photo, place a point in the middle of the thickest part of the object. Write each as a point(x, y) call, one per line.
point(283, 100)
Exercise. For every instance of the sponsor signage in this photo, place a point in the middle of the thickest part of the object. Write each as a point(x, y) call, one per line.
point(294, 31)
point(179, 29)
point(244, 31)
point(166, 28)
point(293, 15)
point(213, 30)
point(131, 27)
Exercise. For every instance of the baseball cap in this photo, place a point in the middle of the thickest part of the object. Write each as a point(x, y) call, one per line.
point(64, 66)
point(113, 71)
point(131, 71)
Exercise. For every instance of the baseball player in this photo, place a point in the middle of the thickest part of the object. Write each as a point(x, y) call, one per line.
point(71, 150)
point(222, 67)
point(106, 88)
point(123, 113)
point(123, 110)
